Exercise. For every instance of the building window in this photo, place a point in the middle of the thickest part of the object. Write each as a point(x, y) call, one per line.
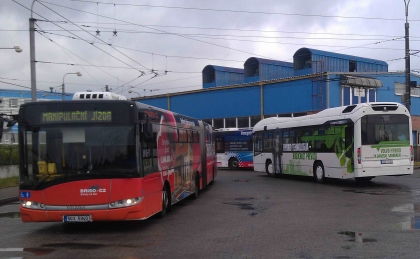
point(243, 122)
point(255, 120)
point(350, 95)
point(352, 66)
point(13, 103)
point(218, 123)
point(400, 90)
point(230, 123)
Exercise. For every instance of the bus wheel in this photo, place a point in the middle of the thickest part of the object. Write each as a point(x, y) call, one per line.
point(233, 164)
point(197, 188)
point(319, 172)
point(165, 202)
point(269, 169)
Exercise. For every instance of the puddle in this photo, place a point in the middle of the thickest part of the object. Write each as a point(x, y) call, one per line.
point(246, 205)
point(357, 237)
point(10, 215)
point(82, 246)
point(244, 199)
point(242, 206)
point(241, 181)
point(386, 192)
point(35, 251)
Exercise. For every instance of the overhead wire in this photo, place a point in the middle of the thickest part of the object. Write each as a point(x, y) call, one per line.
point(248, 12)
point(175, 34)
point(63, 49)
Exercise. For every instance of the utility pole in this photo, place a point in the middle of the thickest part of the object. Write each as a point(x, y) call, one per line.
point(407, 97)
point(32, 53)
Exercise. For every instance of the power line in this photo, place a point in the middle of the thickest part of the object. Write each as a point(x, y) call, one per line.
point(248, 12)
point(204, 35)
point(175, 34)
point(91, 35)
point(223, 29)
point(73, 33)
point(63, 49)
point(91, 65)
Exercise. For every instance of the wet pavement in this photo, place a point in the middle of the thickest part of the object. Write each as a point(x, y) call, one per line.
point(244, 215)
point(8, 195)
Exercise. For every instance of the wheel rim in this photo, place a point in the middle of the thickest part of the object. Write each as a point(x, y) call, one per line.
point(234, 164)
point(319, 173)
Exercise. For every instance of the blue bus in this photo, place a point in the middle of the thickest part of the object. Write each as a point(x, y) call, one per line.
point(234, 148)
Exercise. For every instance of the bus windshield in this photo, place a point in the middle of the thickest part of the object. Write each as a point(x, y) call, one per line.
point(386, 127)
point(53, 153)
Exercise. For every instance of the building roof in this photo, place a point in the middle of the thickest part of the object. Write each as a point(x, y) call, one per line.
point(222, 69)
point(253, 60)
point(303, 51)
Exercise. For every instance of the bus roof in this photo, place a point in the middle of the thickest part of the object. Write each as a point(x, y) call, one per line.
point(352, 112)
point(233, 129)
point(98, 96)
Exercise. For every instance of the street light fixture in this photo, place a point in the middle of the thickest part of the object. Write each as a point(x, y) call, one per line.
point(16, 48)
point(77, 73)
point(131, 91)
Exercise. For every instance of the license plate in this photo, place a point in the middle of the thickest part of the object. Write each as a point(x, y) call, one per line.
point(85, 218)
point(386, 161)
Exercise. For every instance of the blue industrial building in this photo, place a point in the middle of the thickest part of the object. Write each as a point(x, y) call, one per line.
point(314, 81)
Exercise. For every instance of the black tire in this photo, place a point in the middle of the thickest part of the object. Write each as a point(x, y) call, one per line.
point(196, 188)
point(269, 169)
point(363, 180)
point(319, 172)
point(166, 203)
point(233, 163)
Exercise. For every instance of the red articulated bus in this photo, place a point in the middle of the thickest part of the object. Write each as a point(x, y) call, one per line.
point(108, 160)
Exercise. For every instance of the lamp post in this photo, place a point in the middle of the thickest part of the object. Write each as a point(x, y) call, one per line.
point(77, 73)
point(16, 48)
point(407, 96)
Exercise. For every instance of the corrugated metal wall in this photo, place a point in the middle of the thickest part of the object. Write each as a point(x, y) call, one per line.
point(268, 71)
point(228, 78)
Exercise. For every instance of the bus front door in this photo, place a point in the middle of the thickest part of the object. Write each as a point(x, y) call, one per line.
point(277, 151)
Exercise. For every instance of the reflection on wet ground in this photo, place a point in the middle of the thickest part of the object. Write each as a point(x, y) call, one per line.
point(411, 223)
point(35, 251)
point(407, 208)
point(382, 192)
point(10, 215)
point(247, 206)
point(357, 236)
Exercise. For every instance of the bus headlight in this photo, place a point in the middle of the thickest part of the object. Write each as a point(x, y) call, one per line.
point(32, 205)
point(125, 203)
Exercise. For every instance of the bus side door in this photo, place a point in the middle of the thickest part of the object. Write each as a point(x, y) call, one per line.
point(277, 150)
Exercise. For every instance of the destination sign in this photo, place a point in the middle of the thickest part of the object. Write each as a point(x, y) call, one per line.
point(76, 116)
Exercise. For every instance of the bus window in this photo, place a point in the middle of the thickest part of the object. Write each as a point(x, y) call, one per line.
point(220, 145)
point(258, 143)
point(268, 142)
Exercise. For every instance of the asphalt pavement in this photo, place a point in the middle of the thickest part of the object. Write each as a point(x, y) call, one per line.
point(9, 195)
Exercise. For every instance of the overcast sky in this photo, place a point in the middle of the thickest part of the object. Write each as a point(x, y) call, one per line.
point(182, 37)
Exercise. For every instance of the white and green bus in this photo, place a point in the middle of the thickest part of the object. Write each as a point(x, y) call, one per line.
point(351, 142)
